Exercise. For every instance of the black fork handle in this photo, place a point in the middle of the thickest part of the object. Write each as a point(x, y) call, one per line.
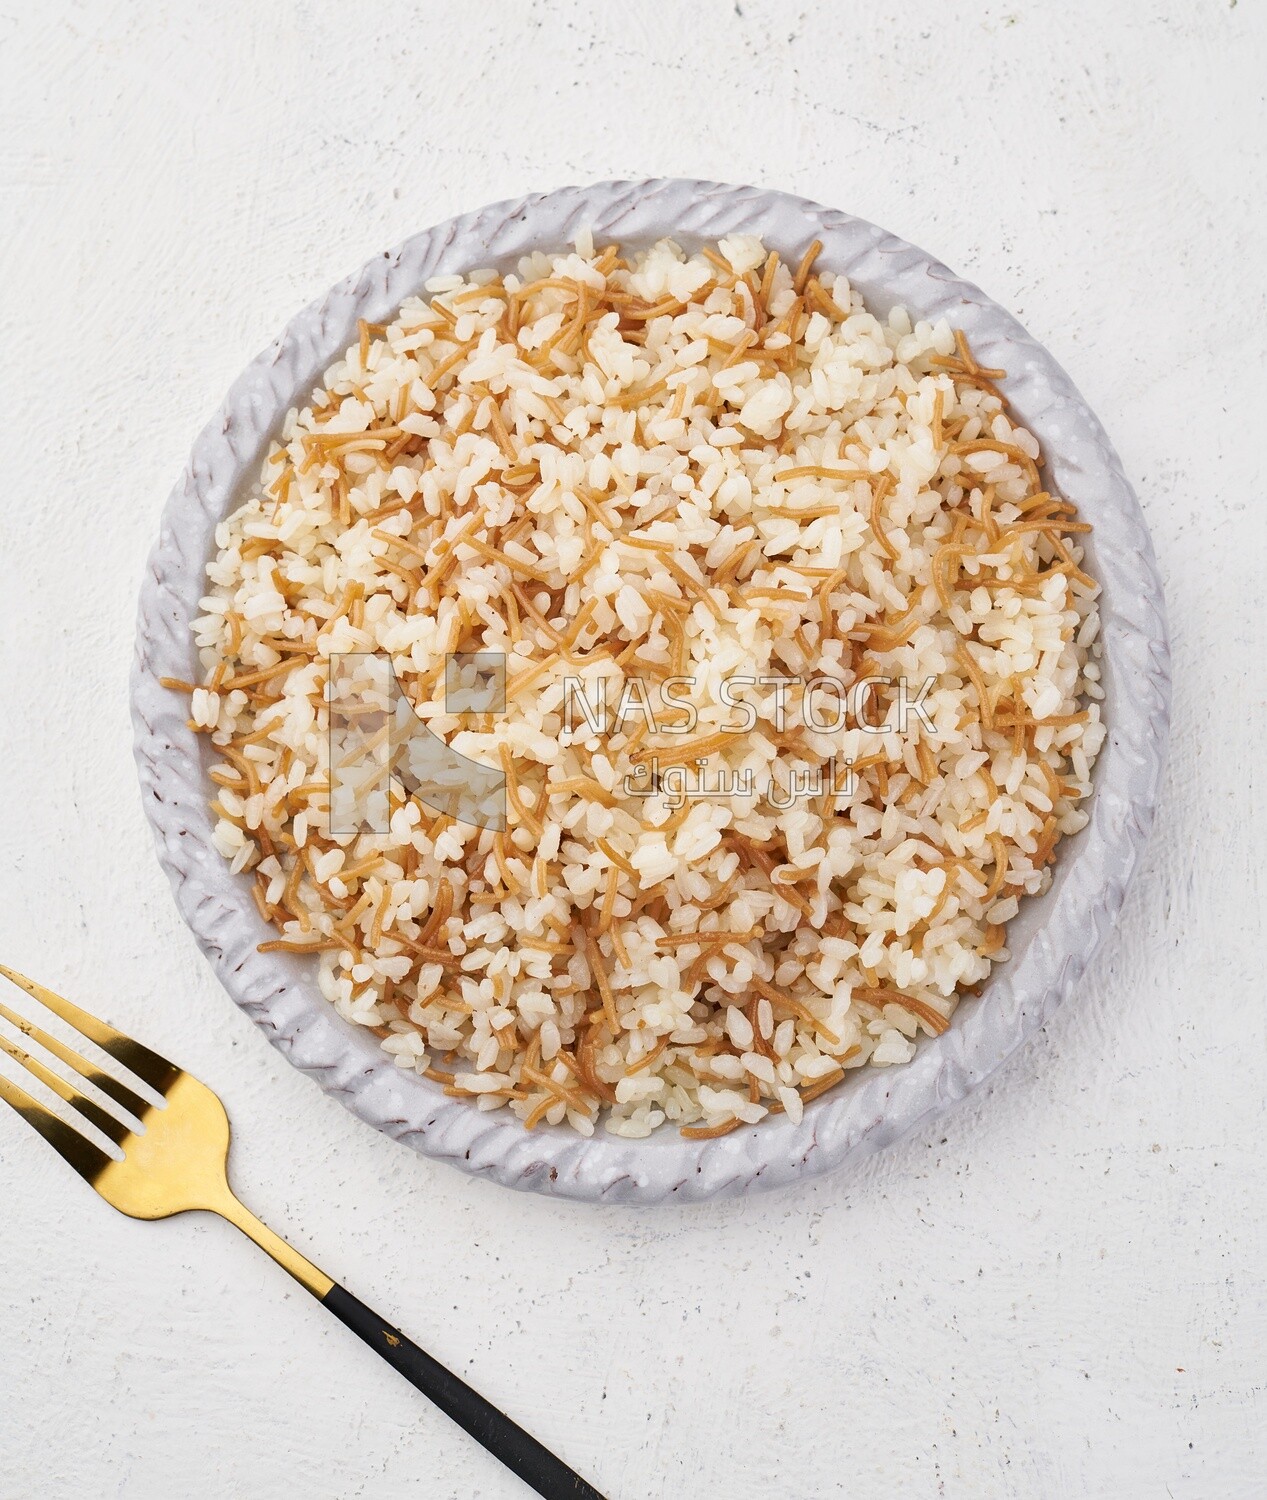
point(504, 1439)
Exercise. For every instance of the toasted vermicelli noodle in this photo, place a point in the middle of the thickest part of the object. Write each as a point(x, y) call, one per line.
point(682, 484)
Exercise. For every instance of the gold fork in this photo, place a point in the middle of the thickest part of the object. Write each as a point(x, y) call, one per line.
point(174, 1160)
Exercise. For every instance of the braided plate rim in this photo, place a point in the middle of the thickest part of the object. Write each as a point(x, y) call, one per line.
point(1051, 940)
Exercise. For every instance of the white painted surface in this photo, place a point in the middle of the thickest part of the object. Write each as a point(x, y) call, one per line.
point(1059, 1291)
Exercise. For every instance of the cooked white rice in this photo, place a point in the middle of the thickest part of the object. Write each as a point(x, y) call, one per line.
point(710, 466)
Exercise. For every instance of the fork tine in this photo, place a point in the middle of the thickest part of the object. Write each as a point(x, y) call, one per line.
point(106, 1082)
point(148, 1066)
point(88, 1160)
point(109, 1125)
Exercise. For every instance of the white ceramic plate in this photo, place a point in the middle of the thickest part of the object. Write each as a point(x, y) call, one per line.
point(1052, 938)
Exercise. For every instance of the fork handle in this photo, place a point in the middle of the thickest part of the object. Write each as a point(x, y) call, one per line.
point(504, 1439)
point(492, 1428)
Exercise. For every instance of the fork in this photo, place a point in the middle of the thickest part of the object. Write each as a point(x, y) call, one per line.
point(174, 1160)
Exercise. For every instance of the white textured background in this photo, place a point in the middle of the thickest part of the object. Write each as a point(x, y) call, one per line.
point(1061, 1290)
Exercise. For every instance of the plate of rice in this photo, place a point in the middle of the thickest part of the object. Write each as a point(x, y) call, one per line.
point(651, 690)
